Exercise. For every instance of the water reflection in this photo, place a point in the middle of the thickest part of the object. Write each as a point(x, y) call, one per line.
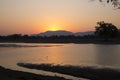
point(73, 54)
point(53, 55)
point(107, 55)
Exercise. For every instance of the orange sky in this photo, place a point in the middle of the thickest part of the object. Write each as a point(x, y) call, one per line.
point(35, 16)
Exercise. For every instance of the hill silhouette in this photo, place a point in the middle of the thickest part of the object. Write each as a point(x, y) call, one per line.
point(64, 33)
point(55, 33)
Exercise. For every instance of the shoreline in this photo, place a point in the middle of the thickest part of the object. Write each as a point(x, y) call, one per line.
point(8, 74)
point(92, 73)
point(96, 42)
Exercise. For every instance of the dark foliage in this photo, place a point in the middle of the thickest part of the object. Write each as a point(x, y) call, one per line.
point(106, 30)
point(116, 3)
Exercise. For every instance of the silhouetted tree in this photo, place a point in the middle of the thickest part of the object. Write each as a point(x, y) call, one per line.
point(106, 30)
point(115, 3)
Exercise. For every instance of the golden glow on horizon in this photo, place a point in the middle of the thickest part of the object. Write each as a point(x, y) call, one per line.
point(53, 27)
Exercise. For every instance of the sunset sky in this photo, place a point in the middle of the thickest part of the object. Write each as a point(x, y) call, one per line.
point(35, 16)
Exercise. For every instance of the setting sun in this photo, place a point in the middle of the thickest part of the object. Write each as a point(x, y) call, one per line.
point(54, 27)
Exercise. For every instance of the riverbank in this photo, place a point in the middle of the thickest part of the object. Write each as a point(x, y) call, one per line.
point(7, 74)
point(111, 42)
point(60, 39)
point(20, 45)
point(91, 73)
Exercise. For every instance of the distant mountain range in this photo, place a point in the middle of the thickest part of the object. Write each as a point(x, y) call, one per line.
point(63, 33)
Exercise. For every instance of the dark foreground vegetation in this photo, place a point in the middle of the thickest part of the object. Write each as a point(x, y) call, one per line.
point(105, 33)
point(91, 73)
point(7, 74)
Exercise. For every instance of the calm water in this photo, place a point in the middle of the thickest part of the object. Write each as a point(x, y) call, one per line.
point(73, 54)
